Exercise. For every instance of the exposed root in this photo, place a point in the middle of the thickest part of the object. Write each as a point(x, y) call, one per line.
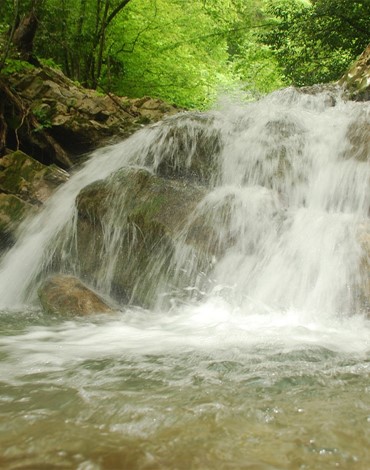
point(20, 130)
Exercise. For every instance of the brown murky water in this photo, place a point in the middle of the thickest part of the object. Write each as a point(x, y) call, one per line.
point(161, 394)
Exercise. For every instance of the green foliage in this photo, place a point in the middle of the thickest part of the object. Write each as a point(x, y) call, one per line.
point(170, 52)
point(12, 66)
point(252, 61)
point(42, 116)
point(315, 42)
point(50, 63)
point(186, 52)
point(183, 52)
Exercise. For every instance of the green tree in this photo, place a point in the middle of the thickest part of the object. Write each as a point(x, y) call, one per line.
point(252, 61)
point(316, 41)
point(184, 51)
point(169, 51)
point(74, 34)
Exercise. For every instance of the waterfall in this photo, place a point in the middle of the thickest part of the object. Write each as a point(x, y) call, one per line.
point(286, 196)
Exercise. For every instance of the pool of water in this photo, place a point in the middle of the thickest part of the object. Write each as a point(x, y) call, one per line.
point(204, 387)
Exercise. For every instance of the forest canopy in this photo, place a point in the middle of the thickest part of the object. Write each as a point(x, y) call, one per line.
point(188, 51)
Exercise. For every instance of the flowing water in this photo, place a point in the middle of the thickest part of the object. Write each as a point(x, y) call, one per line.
point(267, 366)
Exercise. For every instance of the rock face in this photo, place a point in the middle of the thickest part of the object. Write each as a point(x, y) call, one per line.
point(130, 222)
point(357, 79)
point(67, 295)
point(55, 120)
point(76, 119)
point(25, 184)
point(13, 211)
point(29, 179)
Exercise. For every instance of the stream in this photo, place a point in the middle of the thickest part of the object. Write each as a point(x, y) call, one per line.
point(267, 368)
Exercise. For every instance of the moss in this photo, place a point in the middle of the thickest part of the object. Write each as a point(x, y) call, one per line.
point(13, 66)
point(143, 120)
point(18, 170)
point(12, 211)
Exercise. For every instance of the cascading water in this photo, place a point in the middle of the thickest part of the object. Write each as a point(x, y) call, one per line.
point(259, 357)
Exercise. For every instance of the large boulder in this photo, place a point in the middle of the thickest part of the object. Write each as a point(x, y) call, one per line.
point(67, 295)
point(189, 149)
point(129, 228)
point(357, 79)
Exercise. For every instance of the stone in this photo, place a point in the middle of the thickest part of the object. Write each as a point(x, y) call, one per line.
point(29, 179)
point(66, 295)
point(364, 290)
point(192, 149)
point(357, 79)
point(127, 224)
point(358, 135)
point(75, 118)
point(13, 211)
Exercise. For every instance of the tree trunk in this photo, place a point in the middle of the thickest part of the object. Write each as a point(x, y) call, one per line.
point(24, 36)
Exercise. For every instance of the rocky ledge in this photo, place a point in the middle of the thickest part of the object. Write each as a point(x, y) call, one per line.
point(53, 123)
point(56, 120)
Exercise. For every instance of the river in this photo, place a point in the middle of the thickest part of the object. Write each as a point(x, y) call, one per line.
point(267, 368)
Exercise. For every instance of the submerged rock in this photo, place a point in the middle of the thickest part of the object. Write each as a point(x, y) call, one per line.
point(127, 231)
point(358, 135)
point(67, 295)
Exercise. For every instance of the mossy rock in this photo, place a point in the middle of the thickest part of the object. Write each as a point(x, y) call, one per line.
point(72, 120)
point(29, 179)
point(12, 212)
point(134, 218)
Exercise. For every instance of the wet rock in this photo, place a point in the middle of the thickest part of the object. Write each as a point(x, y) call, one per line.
point(364, 237)
point(128, 226)
point(330, 90)
point(358, 135)
point(189, 149)
point(67, 295)
point(25, 184)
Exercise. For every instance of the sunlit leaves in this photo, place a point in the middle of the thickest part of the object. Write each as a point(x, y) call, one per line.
point(315, 42)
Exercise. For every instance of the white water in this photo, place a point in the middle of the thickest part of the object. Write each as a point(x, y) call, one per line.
point(268, 368)
point(284, 190)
